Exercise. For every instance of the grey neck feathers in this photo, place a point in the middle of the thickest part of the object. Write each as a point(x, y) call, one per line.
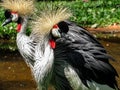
point(24, 25)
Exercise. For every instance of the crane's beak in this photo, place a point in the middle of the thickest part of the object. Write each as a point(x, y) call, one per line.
point(7, 21)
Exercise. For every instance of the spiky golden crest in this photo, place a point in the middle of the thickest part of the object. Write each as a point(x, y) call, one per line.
point(48, 18)
point(22, 7)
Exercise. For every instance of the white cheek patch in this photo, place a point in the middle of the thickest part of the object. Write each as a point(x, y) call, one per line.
point(56, 33)
point(15, 17)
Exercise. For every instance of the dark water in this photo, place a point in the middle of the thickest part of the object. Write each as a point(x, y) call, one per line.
point(15, 75)
point(113, 48)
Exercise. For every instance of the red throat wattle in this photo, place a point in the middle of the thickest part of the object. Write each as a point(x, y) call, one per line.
point(18, 27)
point(52, 44)
point(51, 41)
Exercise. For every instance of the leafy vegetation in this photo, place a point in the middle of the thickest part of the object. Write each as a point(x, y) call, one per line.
point(99, 12)
point(85, 13)
point(5, 45)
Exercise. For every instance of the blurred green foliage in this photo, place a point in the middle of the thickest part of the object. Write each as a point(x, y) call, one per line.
point(6, 32)
point(86, 13)
point(5, 45)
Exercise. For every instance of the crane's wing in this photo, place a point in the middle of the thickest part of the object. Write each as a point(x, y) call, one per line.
point(26, 46)
point(86, 55)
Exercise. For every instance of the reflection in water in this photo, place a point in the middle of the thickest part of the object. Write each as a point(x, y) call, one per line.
point(113, 48)
point(15, 75)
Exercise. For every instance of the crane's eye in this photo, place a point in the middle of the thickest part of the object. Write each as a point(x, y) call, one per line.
point(14, 17)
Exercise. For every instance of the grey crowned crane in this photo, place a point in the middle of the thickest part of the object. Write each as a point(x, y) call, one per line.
point(60, 53)
point(19, 11)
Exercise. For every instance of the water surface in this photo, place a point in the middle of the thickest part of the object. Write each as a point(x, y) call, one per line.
point(15, 75)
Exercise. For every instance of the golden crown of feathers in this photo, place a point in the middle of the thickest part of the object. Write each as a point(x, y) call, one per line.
point(48, 18)
point(22, 7)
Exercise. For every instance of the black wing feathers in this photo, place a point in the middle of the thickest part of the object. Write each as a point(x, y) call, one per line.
point(86, 55)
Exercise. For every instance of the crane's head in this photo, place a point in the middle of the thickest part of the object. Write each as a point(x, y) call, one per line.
point(59, 29)
point(51, 23)
point(11, 17)
point(16, 9)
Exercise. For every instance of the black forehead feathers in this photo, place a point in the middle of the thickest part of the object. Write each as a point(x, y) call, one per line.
point(7, 13)
point(63, 26)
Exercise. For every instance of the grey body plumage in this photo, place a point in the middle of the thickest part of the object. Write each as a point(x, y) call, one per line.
point(26, 45)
